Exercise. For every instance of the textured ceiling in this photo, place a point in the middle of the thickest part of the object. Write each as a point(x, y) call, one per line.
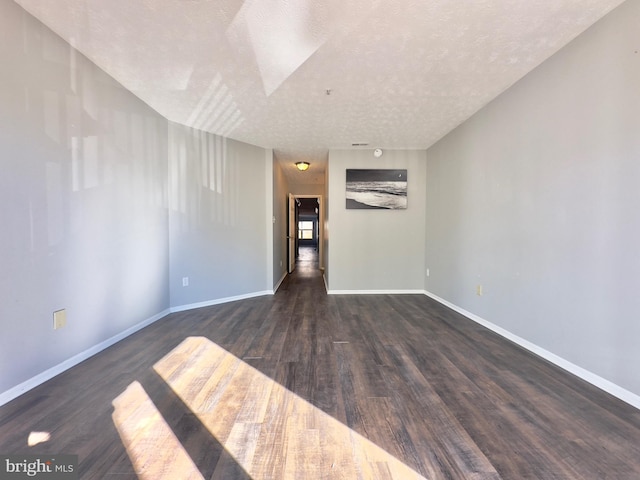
point(306, 76)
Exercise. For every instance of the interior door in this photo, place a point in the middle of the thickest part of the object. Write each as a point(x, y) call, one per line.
point(291, 235)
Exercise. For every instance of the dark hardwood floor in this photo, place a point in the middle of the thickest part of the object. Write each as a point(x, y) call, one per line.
point(305, 385)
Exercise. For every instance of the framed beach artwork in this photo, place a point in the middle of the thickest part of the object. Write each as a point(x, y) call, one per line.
point(380, 189)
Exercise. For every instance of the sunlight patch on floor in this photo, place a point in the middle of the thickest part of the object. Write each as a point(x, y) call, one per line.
point(154, 450)
point(36, 438)
point(268, 430)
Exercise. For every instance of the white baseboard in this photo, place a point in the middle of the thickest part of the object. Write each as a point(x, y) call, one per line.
point(602, 383)
point(375, 292)
point(48, 374)
point(218, 301)
point(275, 289)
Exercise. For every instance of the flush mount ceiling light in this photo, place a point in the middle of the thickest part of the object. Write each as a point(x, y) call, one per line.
point(302, 166)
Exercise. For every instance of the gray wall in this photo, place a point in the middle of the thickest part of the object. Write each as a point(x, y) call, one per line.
point(325, 232)
point(280, 201)
point(218, 233)
point(377, 250)
point(536, 198)
point(106, 206)
point(307, 189)
point(82, 202)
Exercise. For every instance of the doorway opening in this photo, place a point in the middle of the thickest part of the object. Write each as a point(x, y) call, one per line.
point(306, 232)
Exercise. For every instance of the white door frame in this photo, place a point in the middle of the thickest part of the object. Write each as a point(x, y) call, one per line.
point(291, 233)
point(293, 229)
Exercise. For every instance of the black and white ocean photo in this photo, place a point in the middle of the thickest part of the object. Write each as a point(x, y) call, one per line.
point(382, 189)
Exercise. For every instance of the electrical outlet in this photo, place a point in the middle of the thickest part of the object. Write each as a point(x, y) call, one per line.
point(185, 281)
point(427, 272)
point(479, 290)
point(59, 319)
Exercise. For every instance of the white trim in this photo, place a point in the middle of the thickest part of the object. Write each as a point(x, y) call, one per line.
point(321, 222)
point(48, 374)
point(602, 383)
point(269, 226)
point(324, 277)
point(375, 292)
point(275, 289)
point(218, 301)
